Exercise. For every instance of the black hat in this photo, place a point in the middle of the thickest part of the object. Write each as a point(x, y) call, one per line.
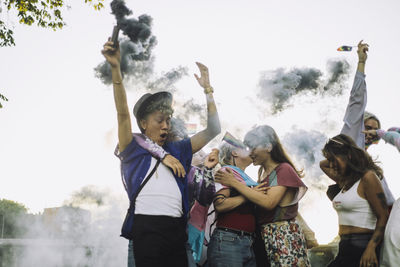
point(139, 110)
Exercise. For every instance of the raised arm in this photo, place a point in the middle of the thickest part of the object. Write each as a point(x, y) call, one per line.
point(113, 57)
point(354, 116)
point(200, 139)
point(328, 168)
point(373, 192)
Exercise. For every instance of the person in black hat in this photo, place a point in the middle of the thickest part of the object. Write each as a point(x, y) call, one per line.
point(158, 213)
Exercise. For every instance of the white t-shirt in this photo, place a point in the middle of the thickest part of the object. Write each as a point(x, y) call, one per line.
point(390, 251)
point(161, 194)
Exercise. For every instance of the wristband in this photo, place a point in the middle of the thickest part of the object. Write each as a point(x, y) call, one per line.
point(208, 90)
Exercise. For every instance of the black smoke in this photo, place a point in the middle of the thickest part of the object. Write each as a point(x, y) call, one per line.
point(167, 80)
point(338, 74)
point(138, 30)
point(277, 87)
point(138, 63)
point(191, 108)
point(136, 50)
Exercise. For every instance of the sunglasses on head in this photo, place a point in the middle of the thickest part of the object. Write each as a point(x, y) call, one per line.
point(335, 141)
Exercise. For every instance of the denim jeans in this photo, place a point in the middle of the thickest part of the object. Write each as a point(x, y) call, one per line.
point(228, 249)
point(131, 258)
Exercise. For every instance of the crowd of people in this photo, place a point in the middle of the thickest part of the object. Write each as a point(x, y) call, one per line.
point(174, 190)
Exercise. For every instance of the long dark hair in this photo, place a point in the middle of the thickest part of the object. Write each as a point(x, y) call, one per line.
point(358, 162)
point(265, 135)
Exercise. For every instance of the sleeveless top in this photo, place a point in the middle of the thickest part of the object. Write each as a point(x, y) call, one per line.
point(353, 210)
point(242, 217)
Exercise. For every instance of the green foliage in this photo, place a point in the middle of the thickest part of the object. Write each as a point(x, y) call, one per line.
point(45, 13)
point(2, 97)
point(97, 5)
point(11, 213)
point(6, 35)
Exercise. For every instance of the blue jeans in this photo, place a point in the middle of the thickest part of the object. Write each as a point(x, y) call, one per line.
point(228, 249)
point(131, 258)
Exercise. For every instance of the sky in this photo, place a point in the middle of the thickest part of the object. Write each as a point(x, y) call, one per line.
point(58, 129)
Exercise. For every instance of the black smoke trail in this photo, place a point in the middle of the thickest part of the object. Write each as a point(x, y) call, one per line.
point(136, 50)
point(278, 87)
point(167, 80)
point(190, 108)
point(338, 74)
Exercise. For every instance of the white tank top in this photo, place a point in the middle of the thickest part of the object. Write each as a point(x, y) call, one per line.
point(353, 210)
point(161, 194)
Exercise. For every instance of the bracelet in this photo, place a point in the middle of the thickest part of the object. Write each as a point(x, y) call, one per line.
point(120, 82)
point(208, 90)
point(361, 62)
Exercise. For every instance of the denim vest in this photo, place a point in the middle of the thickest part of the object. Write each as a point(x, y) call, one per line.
point(135, 163)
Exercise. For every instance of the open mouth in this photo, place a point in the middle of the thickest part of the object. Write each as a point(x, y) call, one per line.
point(164, 135)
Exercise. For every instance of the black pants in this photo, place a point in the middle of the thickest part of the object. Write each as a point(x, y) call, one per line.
point(351, 248)
point(259, 250)
point(159, 241)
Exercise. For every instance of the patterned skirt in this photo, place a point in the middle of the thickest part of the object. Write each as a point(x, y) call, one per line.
point(285, 244)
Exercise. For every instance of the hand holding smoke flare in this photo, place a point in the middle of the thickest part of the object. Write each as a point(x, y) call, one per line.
point(114, 36)
point(138, 30)
point(137, 62)
point(135, 51)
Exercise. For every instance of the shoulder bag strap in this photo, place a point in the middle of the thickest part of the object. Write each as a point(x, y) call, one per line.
point(132, 204)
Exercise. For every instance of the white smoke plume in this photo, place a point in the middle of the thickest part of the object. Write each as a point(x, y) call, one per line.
point(83, 233)
point(305, 147)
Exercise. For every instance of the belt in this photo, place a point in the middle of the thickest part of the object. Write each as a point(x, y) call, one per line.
point(238, 232)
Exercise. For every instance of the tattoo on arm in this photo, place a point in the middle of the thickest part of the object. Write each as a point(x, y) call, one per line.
point(381, 196)
point(380, 230)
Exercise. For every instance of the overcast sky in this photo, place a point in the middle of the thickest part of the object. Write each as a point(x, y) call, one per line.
point(58, 129)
